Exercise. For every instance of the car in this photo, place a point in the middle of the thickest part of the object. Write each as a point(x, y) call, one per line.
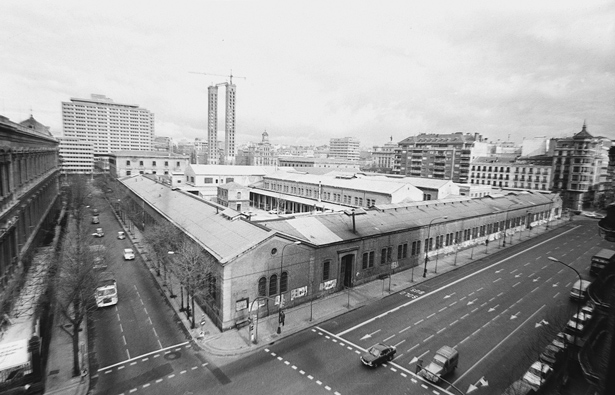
point(538, 374)
point(519, 387)
point(99, 233)
point(551, 354)
point(129, 254)
point(95, 219)
point(121, 235)
point(588, 310)
point(99, 263)
point(378, 354)
point(560, 341)
point(577, 323)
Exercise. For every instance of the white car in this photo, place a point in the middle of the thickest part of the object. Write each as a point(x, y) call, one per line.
point(537, 374)
point(577, 323)
point(99, 233)
point(129, 254)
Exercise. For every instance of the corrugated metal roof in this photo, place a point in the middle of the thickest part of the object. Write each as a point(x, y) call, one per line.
point(221, 236)
point(374, 222)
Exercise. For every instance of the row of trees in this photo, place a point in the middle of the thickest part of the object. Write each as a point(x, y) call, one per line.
point(73, 276)
point(178, 255)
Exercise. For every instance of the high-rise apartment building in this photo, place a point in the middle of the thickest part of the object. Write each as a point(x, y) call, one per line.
point(76, 156)
point(344, 148)
point(580, 169)
point(109, 126)
point(229, 124)
point(443, 156)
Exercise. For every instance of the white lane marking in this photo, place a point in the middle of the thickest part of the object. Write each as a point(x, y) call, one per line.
point(458, 281)
point(428, 338)
point(499, 344)
point(129, 360)
point(388, 338)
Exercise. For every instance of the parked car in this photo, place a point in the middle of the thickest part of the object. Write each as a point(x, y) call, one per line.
point(519, 387)
point(577, 323)
point(588, 310)
point(560, 341)
point(538, 374)
point(99, 233)
point(129, 254)
point(121, 235)
point(378, 354)
point(551, 355)
point(95, 219)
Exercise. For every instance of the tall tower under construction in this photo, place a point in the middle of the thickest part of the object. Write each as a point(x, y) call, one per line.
point(228, 157)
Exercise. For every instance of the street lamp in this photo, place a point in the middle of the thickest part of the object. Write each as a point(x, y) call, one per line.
point(281, 312)
point(506, 224)
point(576, 322)
point(428, 244)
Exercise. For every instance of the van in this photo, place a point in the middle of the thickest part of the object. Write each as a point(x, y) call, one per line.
point(444, 362)
point(579, 290)
point(601, 260)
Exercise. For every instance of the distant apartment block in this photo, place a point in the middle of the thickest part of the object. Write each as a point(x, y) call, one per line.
point(522, 173)
point(580, 169)
point(344, 148)
point(128, 163)
point(109, 126)
point(443, 156)
point(76, 156)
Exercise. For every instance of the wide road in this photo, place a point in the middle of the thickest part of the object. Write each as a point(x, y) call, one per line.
point(498, 312)
point(139, 340)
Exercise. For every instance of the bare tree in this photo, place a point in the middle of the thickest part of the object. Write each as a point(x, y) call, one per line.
point(162, 239)
point(74, 284)
point(195, 269)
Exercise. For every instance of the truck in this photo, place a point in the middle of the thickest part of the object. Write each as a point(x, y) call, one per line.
point(600, 260)
point(106, 290)
point(444, 362)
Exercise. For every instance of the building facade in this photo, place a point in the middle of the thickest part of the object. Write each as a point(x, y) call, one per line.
point(344, 148)
point(76, 156)
point(520, 173)
point(260, 267)
point(127, 163)
point(29, 190)
point(333, 163)
point(580, 169)
point(204, 180)
point(109, 126)
point(383, 157)
point(444, 156)
point(228, 156)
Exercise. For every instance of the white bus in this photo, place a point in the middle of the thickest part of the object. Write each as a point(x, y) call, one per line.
point(106, 291)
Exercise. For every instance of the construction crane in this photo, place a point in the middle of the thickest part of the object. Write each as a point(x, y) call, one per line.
point(230, 76)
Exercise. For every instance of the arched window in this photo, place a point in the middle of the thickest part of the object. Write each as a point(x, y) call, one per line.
point(262, 286)
point(273, 285)
point(284, 282)
point(238, 195)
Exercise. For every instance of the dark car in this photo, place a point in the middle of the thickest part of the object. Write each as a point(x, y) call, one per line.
point(551, 355)
point(378, 354)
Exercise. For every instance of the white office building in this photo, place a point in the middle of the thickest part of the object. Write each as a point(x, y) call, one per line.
point(109, 126)
point(344, 148)
point(76, 156)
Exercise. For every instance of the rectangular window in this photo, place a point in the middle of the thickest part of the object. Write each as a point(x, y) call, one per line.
point(140, 163)
point(368, 260)
point(166, 163)
point(383, 256)
point(371, 259)
point(326, 266)
point(153, 163)
point(209, 180)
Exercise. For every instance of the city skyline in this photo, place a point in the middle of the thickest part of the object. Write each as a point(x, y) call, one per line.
point(316, 71)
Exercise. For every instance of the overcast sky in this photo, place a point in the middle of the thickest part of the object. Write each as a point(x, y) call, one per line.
point(315, 70)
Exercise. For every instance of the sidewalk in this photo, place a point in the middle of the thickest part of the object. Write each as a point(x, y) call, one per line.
point(237, 341)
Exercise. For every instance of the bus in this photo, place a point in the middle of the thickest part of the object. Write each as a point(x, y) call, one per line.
point(600, 260)
point(106, 291)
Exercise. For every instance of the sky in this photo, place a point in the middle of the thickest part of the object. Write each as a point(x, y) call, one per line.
point(314, 70)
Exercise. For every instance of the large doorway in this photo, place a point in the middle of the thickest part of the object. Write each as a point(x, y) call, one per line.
point(346, 270)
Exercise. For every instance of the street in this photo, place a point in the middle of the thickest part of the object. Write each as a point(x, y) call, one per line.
point(498, 312)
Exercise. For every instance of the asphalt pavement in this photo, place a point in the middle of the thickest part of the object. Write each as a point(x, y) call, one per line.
point(231, 343)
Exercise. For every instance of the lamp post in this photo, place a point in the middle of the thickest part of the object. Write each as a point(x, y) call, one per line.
point(578, 304)
point(506, 223)
point(428, 244)
point(281, 311)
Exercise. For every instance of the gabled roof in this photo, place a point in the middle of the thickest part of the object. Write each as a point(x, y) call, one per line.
point(336, 227)
point(223, 237)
